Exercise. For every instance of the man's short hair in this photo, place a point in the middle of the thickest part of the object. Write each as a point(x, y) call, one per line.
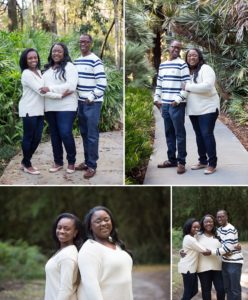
point(88, 35)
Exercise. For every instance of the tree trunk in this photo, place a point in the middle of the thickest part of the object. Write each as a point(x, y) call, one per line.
point(117, 38)
point(156, 54)
point(106, 38)
point(12, 15)
point(53, 17)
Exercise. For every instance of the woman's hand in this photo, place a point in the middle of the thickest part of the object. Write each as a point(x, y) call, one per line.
point(66, 93)
point(207, 252)
point(44, 90)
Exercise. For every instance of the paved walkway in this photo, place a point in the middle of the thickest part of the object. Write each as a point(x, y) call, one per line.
point(232, 159)
point(109, 171)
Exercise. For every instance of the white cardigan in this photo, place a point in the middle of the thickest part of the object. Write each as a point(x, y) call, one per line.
point(211, 262)
point(192, 248)
point(202, 97)
point(106, 274)
point(62, 275)
point(57, 85)
point(32, 101)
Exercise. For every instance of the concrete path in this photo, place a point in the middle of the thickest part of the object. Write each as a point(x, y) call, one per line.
point(232, 159)
point(109, 171)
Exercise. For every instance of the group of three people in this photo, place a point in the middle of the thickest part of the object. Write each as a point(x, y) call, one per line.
point(212, 254)
point(188, 87)
point(90, 262)
point(61, 92)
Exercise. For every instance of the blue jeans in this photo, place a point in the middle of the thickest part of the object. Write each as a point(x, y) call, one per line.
point(32, 132)
point(203, 126)
point(209, 277)
point(190, 285)
point(231, 273)
point(175, 133)
point(89, 117)
point(60, 126)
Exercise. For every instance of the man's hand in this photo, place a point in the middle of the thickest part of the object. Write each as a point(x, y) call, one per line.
point(174, 104)
point(89, 102)
point(182, 253)
point(158, 104)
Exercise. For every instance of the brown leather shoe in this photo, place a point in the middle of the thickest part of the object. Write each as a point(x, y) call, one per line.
point(89, 173)
point(180, 169)
point(81, 167)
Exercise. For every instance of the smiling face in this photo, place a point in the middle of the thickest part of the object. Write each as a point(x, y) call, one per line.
point(57, 54)
point(32, 60)
point(66, 231)
point(208, 224)
point(101, 225)
point(174, 50)
point(85, 44)
point(193, 58)
point(222, 218)
point(195, 228)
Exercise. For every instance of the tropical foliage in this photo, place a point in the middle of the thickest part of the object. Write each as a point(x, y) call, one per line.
point(139, 129)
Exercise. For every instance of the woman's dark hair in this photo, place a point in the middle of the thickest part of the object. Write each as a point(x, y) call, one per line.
point(61, 68)
point(113, 234)
point(78, 240)
point(214, 230)
point(23, 59)
point(188, 225)
point(200, 63)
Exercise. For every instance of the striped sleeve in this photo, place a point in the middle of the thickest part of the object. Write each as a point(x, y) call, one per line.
point(158, 91)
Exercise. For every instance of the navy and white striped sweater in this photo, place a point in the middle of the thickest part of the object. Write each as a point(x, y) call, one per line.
point(171, 74)
point(91, 78)
point(229, 238)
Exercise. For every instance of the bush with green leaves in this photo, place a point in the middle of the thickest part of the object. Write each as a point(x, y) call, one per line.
point(139, 129)
point(20, 261)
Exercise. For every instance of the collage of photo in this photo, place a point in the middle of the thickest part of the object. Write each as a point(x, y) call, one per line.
point(123, 150)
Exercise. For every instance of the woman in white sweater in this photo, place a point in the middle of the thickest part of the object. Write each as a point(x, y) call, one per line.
point(61, 75)
point(203, 106)
point(209, 268)
point(187, 265)
point(31, 106)
point(105, 264)
point(62, 276)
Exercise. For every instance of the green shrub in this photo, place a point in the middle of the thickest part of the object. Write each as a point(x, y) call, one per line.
point(112, 105)
point(177, 238)
point(238, 109)
point(20, 261)
point(138, 129)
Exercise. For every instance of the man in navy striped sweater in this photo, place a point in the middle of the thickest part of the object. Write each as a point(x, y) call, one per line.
point(232, 262)
point(172, 75)
point(91, 86)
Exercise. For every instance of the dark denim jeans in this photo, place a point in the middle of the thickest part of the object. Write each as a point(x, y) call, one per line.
point(60, 126)
point(203, 126)
point(190, 285)
point(32, 132)
point(231, 273)
point(175, 133)
point(209, 277)
point(89, 117)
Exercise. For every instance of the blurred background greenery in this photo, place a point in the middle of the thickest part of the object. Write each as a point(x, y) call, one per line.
point(27, 214)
